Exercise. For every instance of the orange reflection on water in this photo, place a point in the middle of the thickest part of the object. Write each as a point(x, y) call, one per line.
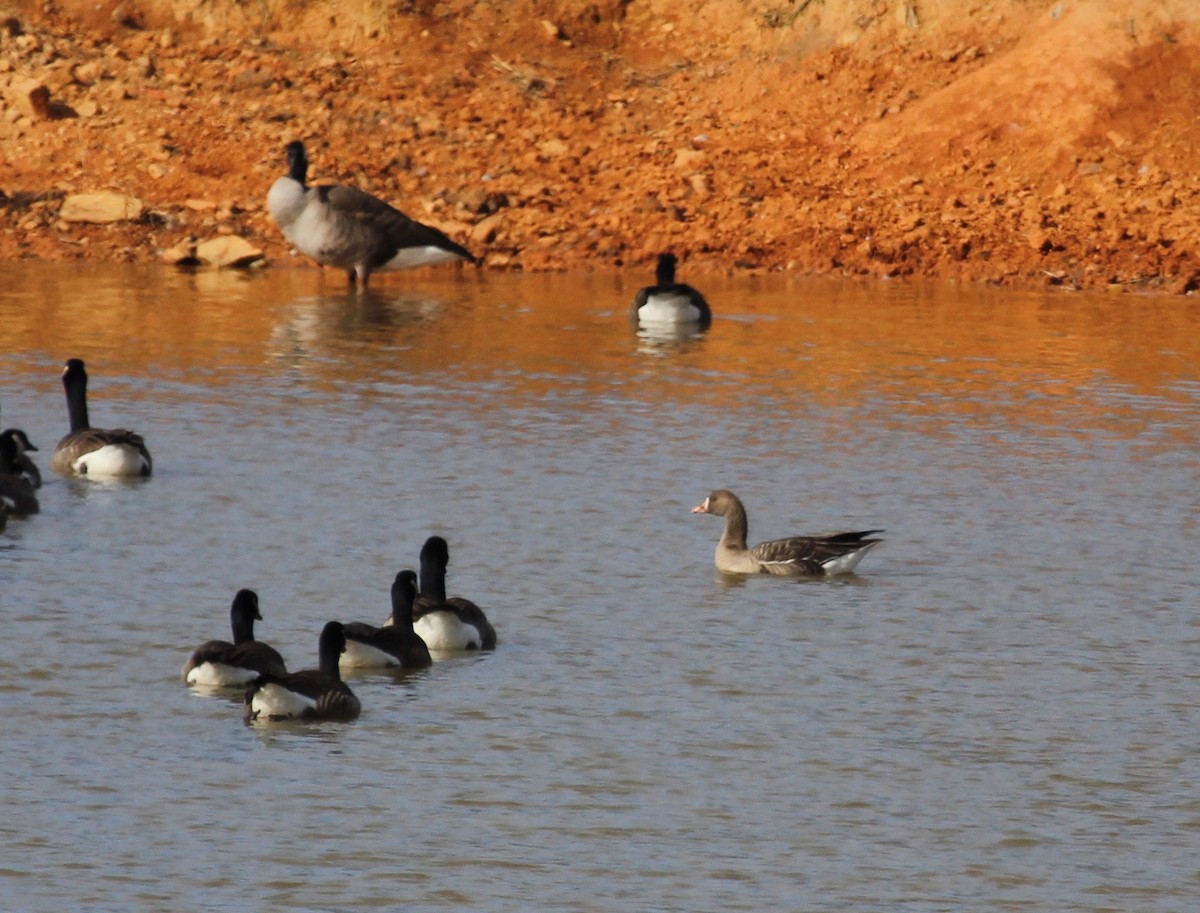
point(785, 345)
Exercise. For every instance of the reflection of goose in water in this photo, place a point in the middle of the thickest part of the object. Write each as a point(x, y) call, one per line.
point(310, 323)
point(663, 338)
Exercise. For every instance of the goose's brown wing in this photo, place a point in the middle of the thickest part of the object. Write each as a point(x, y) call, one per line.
point(810, 554)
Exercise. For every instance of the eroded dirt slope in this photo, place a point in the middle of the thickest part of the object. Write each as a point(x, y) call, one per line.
point(1007, 141)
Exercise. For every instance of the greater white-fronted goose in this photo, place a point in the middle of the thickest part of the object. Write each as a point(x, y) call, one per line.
point(95, 452)
point(221, 664)
point(670, 303)
point(16, 494)
point(22, 464)
point(797, 556)
point(396, 644)
point(311, 694)
point(447, 624)
point(350, 229)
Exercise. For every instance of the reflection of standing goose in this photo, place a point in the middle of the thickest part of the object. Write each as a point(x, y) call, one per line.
point(350, 229)
point(797, 556)
point(89, 451)
point(668, 302)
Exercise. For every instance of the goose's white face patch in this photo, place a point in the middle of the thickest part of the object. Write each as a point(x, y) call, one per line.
point(445, 631)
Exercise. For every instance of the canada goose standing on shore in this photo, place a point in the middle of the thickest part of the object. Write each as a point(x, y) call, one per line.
point(351, 229)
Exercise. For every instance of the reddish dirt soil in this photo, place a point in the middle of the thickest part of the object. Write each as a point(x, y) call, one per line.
point(1011, 142)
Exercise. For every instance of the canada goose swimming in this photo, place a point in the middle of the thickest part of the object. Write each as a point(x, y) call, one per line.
point(395, 644)
point(221, 664)
point(311, 694)
point(350, 229)
point(797, 556)
point(95, 452)
point(16, 494)
point(447, 624)
point(668, 302)
point(22, 464)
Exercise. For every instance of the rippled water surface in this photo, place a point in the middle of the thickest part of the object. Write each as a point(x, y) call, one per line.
point(998, 712)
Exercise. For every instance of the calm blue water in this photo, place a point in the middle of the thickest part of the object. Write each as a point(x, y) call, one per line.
point(997, 712)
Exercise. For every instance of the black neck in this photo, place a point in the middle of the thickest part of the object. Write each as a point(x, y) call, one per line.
point(329, 650)
point(402, 604)
point(75, 384)
point(665, 272)
point(433, 577)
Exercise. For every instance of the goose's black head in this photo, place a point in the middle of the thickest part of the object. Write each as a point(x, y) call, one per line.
point(405, 583)
point(245, 604)
point(436, 550)
point(18, 437)
point(74, 371)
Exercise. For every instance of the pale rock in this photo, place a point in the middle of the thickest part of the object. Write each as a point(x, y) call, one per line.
point(485, 230)
point(30, 97)
point(182, 254)
point(100, 207)
point(228, 251)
